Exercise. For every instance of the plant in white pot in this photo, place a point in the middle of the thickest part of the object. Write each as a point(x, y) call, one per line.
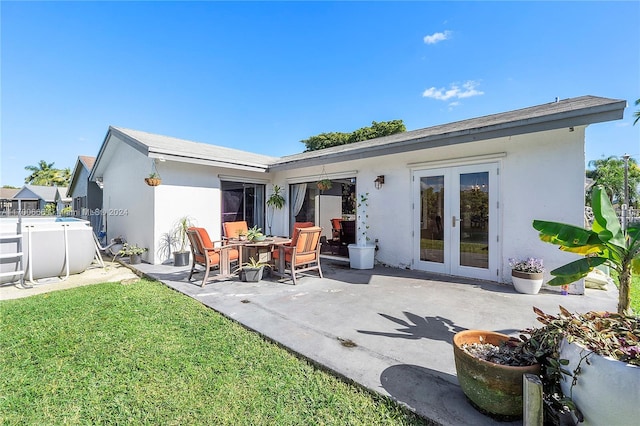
point(608, 243)
point(527, 274)
point(361, 254)
point(594, 367)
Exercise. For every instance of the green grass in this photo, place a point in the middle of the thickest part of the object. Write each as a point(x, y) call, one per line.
point(144, 354)
point(635, 294)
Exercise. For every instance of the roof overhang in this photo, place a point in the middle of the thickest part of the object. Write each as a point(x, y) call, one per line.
point(434, 137)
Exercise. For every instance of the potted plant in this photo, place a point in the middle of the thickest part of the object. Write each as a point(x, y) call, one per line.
point(181, 256)
point(611, 336)
point(527, 274)
point(594, 365)
point(133, 252)
point(252, 270)
point(255, 234)
point(324, 184)
point(489, 367)
point(153, 179)
point(274, 202)
point(361, 254)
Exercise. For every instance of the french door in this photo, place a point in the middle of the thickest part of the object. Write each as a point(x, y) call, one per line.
point(456, 221)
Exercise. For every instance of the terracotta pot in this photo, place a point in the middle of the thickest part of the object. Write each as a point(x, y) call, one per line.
point(492, 388)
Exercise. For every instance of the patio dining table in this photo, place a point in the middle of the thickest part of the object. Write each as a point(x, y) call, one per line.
point(262, 249)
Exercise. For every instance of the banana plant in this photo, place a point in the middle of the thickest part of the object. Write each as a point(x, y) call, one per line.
point(607, 242)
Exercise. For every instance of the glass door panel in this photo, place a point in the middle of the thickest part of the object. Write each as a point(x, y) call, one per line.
point(456, 220)
point(474, 219)
point(431, 214)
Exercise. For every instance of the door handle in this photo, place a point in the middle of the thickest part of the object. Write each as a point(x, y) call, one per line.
point(453, 222)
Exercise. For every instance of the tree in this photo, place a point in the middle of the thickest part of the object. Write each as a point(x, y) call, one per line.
point(377, 130)
point(637, 113)
point(607, 242)
point(609, 172)
point(46, 175)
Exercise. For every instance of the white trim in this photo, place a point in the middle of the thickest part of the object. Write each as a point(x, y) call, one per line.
point(313, 178)
point(205, 162)
point(243, 179)
point(457, 161)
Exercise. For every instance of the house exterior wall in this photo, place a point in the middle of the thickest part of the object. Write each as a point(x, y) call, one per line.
point(186, 190)
point(541, 176)
point(128, 203)
point(80, 188)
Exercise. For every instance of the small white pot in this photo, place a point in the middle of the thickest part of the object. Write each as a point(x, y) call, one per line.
point(361, 257)
point(527, 282)
point(607, 391)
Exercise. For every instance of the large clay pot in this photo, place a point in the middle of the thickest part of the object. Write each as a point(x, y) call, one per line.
point(492, 388)
point(607, 391)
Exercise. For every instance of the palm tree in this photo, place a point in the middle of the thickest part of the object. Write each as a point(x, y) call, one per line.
point(637, 113)
point(44, 174)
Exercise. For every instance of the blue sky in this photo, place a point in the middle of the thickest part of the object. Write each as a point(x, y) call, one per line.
point(262, 76)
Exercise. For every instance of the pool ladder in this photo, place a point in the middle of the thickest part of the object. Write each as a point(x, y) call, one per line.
point(18, 254)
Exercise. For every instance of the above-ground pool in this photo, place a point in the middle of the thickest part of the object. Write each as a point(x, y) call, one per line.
point(51, 247)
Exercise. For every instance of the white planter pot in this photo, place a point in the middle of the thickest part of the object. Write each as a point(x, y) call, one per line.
point(526, 282)
point(607, 391)
point(361, 257)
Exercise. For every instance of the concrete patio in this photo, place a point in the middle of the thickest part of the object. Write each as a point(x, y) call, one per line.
point(387, 329)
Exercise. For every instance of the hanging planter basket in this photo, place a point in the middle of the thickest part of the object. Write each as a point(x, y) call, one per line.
point(153, 181)
point(324, 184)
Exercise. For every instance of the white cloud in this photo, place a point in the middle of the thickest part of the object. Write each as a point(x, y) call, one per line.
point(437, 37)
point(455, 91)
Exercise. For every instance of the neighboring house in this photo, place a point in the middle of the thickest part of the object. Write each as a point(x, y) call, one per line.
point(85, 194)
point(34, 198)
point(8, 206)
point(457, 198)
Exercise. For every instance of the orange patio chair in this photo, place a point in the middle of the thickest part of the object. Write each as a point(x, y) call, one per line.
point(305, 254)
point(206, 254)
point(233, 229)
point(294, 238)
point(336, 228)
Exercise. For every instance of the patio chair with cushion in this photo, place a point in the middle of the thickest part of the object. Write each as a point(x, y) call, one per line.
point(294, 237)
point(205, 253)
point(234, 229)
point(305, 254)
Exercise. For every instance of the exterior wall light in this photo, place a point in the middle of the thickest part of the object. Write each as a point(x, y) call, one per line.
point(379, 182)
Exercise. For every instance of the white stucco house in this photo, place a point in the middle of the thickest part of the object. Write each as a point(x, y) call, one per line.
point(456, 198)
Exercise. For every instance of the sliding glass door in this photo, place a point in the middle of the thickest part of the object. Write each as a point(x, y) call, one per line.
point(243, 201)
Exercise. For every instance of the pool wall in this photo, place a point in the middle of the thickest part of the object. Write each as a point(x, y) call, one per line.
point(52, 247)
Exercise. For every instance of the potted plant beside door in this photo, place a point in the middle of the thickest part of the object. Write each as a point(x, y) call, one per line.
point(527, 274)
point(361, 254)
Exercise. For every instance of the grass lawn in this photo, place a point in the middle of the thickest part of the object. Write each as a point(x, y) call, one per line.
point(635, 294)
point(144, 354)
